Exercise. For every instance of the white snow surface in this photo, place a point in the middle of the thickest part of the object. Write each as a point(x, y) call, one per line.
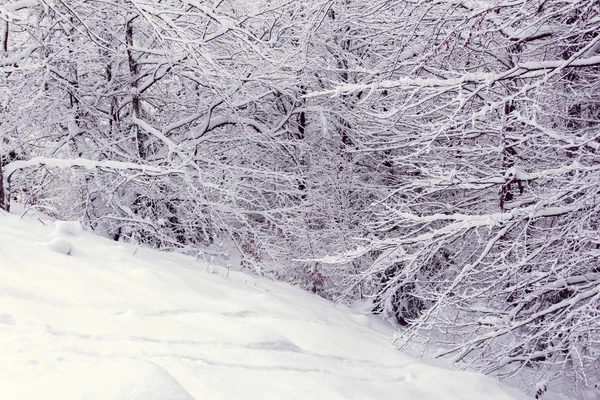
point(111, 321)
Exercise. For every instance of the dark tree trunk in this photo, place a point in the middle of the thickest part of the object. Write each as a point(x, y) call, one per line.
point(4, 37)
point(4, 200)
point(134, 70)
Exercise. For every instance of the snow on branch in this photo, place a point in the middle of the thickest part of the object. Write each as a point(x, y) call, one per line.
point(16, 58)
point(19, 5)
point(462, 222)
point(14, 166)
point(594, 292)
point(485, 79)
point(405, 82)
point(516, 173)
point(10, 168)
point(158, 134)
point(585, 62)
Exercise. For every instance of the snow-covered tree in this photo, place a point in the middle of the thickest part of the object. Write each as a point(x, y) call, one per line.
point(441, 158)
point(487, 241)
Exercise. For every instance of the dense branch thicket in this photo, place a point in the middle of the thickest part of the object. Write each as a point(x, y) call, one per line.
point(440, 158)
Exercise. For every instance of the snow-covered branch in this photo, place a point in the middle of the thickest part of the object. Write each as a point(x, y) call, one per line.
point(90, 165)
point(10, 168)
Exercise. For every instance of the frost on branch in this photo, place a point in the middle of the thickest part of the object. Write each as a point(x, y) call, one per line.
point(440, 160)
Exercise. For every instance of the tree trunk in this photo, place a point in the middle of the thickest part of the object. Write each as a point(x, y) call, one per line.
point(4, 201)
point(134, 70)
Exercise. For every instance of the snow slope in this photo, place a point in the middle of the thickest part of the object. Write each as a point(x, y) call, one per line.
point(82, 317)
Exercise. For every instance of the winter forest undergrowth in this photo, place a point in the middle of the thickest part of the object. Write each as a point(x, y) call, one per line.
point(440, 159)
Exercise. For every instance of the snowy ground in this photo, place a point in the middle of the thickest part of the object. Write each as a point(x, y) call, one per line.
point(85, 318)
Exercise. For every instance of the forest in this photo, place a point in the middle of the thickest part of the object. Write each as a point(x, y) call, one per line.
point(439, 159)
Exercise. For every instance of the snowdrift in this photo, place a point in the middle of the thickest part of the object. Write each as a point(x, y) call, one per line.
point(82, 317)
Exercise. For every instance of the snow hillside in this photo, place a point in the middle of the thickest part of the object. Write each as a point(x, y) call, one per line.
point(82, 317)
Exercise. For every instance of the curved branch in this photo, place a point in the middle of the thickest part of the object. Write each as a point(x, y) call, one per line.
point(14, 166)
